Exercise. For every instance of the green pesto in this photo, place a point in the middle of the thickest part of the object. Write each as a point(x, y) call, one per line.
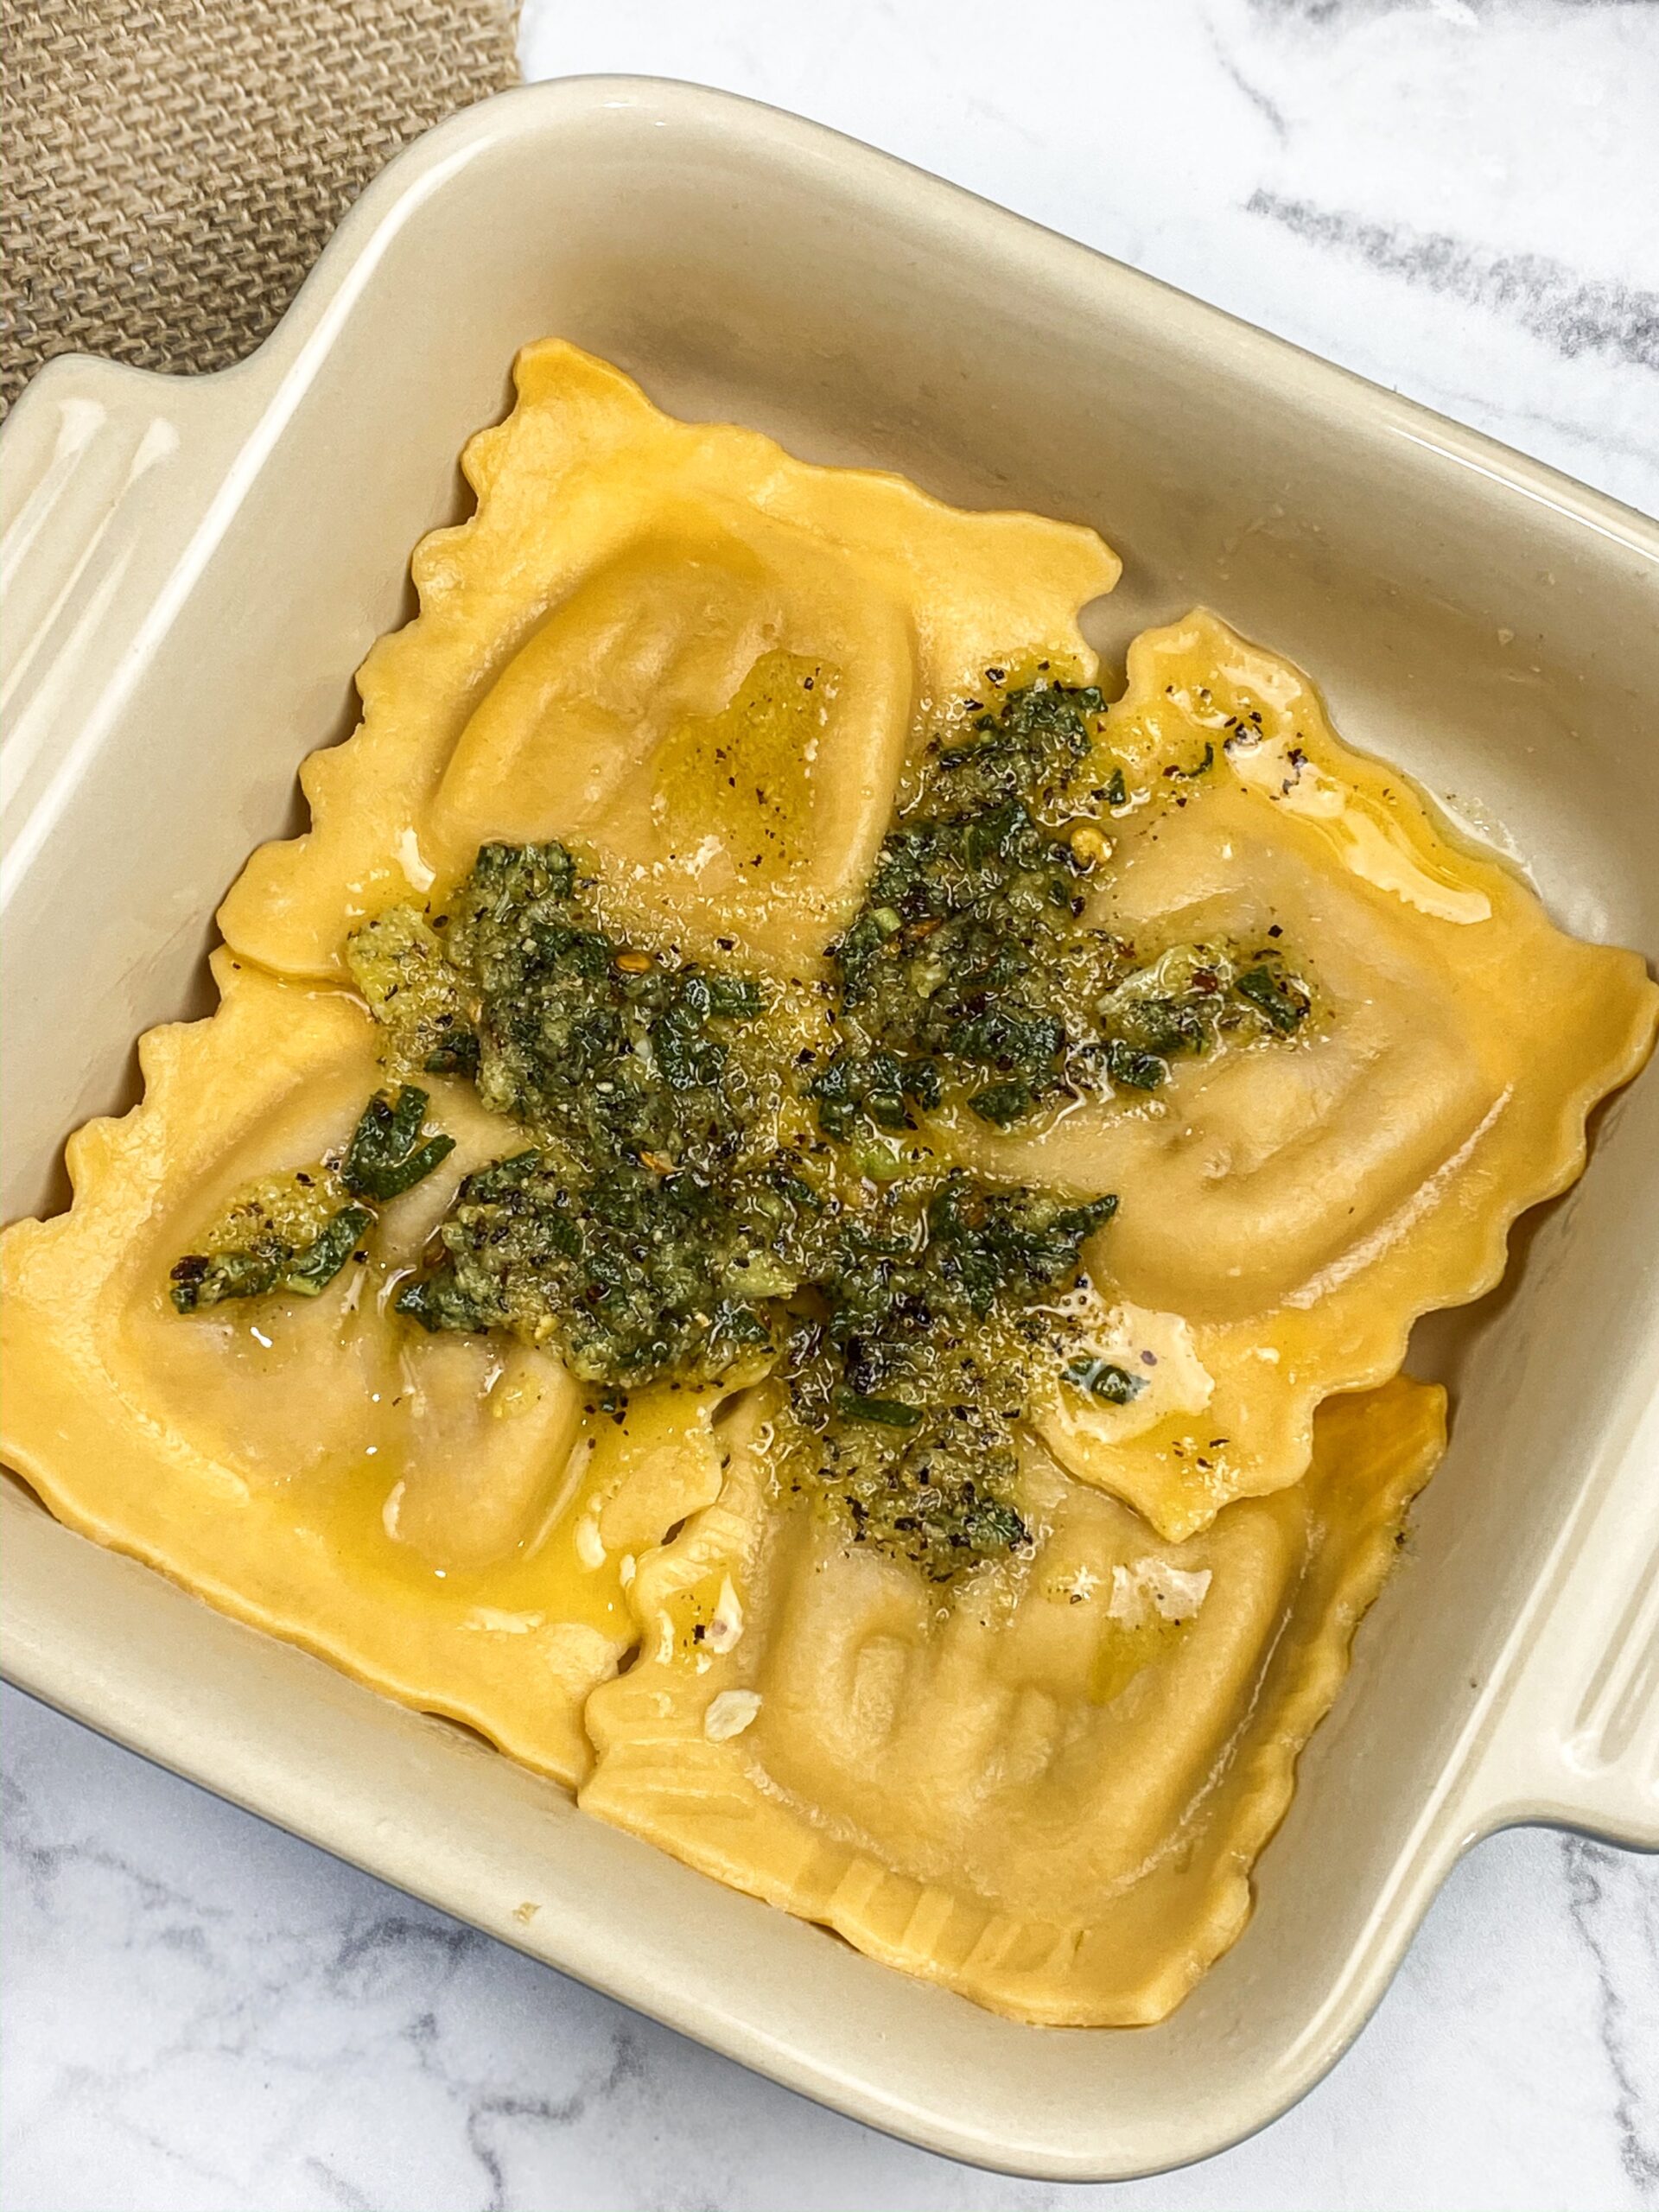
point(637, 1277)
point(971, 969)
point(647, 1228)
point(884, 1320)
point(258, 1248)
point(609, 1050)
point(908, 1367)
point(937, 1486)
point(967, 955)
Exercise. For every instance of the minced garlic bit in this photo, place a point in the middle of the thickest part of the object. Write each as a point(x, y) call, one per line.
point(1152, 1588)
point(590, 1550)
point(728, 1713)
point(727, 1623)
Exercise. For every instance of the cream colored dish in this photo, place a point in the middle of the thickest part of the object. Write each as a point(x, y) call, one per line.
point(136, 511)
point(1019, 1739)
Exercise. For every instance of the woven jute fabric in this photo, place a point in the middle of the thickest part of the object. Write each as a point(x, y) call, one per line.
point(172, 169)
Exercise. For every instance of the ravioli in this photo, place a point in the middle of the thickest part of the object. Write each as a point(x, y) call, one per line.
point(444, 1518)
point(700, 658)
point(1048, 1797)
point(1290, 1212)
point(905, 1198)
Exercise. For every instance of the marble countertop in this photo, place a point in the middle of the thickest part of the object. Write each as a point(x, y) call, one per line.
point(1458, 198)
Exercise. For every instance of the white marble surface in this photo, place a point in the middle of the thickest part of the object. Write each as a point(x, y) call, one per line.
point(202, 2015)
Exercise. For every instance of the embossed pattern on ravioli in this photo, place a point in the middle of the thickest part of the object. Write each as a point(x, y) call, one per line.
point(581, 644)
point(1289, 1214)
point(1049, 1798)
point(444, 1519)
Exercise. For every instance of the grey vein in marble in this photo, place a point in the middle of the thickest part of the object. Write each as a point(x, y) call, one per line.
point(1343, 14)
point(1634, 2067)
point(1567, 312)
point(1265, 107)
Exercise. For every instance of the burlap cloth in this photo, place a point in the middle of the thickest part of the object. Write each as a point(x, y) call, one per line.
point(171, 169)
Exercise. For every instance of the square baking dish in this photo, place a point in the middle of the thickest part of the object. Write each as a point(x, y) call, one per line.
point(193, 569)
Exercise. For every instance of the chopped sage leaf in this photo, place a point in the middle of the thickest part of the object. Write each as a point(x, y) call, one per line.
point(203, 1279)
point(296, 1232)
point(1139, 1071)
point(384, 1158)
point(1283, 1000)
point(1101, 1378)
point(890, 1413)
point(313, 1268)
point(269, 1263)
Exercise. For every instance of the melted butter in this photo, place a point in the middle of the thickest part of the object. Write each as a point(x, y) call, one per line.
point(452, 1470)
point(1125, 1651)
point(1157, 1350)
point(1370, 845)
point(1265, 720)
point(543, 1578)
point(745, 775)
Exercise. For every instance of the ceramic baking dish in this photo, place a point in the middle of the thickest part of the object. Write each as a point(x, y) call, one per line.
point(194, 567)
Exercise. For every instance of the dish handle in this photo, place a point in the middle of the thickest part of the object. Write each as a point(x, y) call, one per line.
point(111, 481)
point(1577, 1741)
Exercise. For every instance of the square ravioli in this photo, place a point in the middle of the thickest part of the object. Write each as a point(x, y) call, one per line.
point(445, 1518)
point(807, 1221)
point(673, 645)
point(1048, 1795)
point(1287, 1213)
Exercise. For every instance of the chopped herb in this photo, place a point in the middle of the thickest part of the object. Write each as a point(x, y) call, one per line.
point(888, 1413)
point(268, 1261)
point(1101, 1379)
point(605, 1049)
point(674, 1216)
point(1200, 768)
point(385, 1158)
point(454, 1053)
point(201, 1278)
point(1280, 997)
point(1136, 1070)
point(1185, 1002)
point(293, 1232)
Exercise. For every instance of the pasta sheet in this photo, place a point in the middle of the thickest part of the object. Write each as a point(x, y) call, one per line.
point(1289, 1208)
point(444, 1517)
point(700, 658)
point(1047, 1798)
